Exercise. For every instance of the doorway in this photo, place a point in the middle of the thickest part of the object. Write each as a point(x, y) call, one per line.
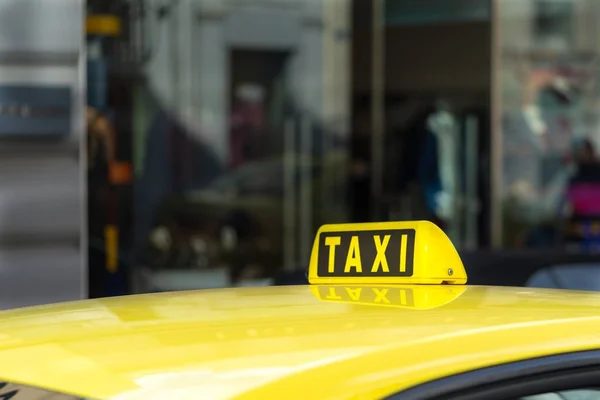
point(422, 90)
point(257, 97)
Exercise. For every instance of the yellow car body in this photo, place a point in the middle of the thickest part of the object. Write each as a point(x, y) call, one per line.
point(319, 341)
point(284, 342)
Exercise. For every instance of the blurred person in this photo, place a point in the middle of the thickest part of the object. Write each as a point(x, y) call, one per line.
point(583, 196)
point(435, 172)
point(248, 126)
point(99, 156)
point(100, 144)
point(100, 153)
point(535, 136)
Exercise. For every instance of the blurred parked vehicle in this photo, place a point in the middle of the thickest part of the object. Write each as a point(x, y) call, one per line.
point(239, 219)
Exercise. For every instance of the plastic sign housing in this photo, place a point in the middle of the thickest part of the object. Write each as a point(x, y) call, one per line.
point(416, 252)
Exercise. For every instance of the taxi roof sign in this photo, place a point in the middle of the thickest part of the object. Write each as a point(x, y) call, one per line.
point(415, 252)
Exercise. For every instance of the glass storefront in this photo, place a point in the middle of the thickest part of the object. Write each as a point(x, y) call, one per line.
point(549, 123)
point(249, 123)
point(437, 108)
point(243, 138)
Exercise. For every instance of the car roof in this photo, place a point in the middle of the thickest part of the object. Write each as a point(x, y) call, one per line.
point(260, 342)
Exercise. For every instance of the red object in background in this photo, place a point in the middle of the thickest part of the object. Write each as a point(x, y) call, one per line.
point(120, 173)
point(247, 131)
point(585, 198)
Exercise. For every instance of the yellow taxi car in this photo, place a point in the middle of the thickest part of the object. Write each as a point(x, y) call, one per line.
point(387, 315)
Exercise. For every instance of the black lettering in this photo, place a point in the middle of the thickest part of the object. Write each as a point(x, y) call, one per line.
point(366, 253)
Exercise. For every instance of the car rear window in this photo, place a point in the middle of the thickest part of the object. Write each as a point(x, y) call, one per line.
point(13, 391)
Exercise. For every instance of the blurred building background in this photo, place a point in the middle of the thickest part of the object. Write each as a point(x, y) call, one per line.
point(221, 133)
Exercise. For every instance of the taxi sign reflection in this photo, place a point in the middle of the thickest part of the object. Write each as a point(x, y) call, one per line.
point(416, 297)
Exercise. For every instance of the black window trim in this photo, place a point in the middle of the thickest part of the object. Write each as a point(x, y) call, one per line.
point(500, 380)
point(552, 382)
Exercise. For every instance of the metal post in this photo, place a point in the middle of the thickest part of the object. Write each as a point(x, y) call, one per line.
point(471, 204)
point(289, 195)
point(306, 182)
point(377, 107)
point(496, 129)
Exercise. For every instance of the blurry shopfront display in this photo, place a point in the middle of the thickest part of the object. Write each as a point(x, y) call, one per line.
point(254, 122)
point(548, 99)
point(241, 139)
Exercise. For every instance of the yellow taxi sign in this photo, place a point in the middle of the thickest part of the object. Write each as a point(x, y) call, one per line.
point(416, 252)
point(423, 297)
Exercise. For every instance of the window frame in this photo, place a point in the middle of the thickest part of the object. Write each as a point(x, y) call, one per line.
point(546, 374)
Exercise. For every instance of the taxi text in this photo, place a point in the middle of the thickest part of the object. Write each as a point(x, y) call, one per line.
point(366, 253)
